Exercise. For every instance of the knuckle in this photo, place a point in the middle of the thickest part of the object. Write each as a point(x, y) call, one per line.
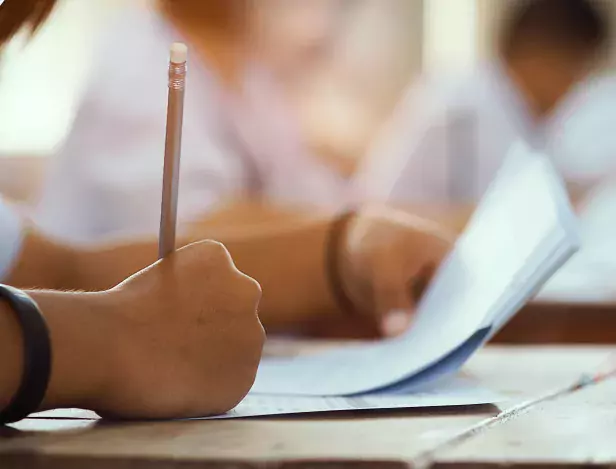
point(245, 296)
point(248, 288)
point(254, 338)
point(385, 291)
point(215, 247)
point(387, 286)
point(261, 336)
point(253, 287)
point(215, 251)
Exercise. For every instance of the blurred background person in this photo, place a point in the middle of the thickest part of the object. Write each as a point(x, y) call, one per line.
point(450, 135)
point(246, 157)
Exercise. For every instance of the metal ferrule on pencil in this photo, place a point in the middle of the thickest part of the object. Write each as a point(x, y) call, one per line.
point(177, 76)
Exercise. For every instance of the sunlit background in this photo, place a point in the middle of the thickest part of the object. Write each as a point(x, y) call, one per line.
point(41, 81)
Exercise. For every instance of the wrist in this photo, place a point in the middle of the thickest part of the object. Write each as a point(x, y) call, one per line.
point(84, 333)
point(349, 267)
point(339, 263)
point(11, 345)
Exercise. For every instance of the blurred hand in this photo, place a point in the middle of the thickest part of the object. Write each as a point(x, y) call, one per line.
point(387, 261)
point(189, 339)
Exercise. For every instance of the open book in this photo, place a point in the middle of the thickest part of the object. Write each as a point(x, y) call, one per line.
point(522, 232)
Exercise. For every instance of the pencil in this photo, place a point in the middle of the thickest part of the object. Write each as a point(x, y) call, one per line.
point(173, 149)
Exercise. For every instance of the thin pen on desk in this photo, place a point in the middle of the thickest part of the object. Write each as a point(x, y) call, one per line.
point(173, 149)
point(605, 372)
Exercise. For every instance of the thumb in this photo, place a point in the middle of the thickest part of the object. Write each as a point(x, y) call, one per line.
point(397, 297)
point(393, 305)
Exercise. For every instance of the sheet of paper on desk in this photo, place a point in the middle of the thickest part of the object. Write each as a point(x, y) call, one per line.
point(456, 392)
point(522, 232)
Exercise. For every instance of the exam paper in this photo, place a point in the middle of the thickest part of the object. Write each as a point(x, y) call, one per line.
point(456, 392)
point(522, 232)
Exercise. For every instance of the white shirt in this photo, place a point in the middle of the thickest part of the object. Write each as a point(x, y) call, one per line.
point(10, 237)
point(106, 181)
point(449, 137)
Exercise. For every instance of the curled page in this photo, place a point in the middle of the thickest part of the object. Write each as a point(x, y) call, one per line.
point(521, 233)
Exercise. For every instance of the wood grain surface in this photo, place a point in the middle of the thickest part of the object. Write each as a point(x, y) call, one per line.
point(580, 427)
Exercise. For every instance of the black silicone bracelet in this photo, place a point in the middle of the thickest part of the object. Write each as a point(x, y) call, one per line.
point(37, 356)
point(337, 233)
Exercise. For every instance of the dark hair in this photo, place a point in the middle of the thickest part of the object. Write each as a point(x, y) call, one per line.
point(16, 14)
point(578, 25)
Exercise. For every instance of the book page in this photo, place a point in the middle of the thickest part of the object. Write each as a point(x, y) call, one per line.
point(521, 233)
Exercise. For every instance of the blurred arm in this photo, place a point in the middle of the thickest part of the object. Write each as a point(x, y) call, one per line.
point(288, 261)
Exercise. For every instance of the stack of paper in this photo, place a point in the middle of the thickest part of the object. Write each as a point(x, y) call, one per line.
point(454, 393)
point(522, 232)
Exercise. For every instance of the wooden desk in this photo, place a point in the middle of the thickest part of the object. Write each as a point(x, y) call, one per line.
point(561, 323)
point(537, 323)
point(575, 430)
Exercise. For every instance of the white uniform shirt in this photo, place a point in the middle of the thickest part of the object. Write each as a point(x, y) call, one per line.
point(449, 137)
point(106, 181)
point(10, 237)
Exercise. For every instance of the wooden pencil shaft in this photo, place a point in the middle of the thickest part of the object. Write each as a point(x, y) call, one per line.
point(171, 171)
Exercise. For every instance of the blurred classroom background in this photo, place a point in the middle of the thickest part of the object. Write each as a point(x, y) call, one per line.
point(386, 42)
point(43, 79)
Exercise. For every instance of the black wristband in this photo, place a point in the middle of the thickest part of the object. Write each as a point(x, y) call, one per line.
point(37, 356)
point(337, 233)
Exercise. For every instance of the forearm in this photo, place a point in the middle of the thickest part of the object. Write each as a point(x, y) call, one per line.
point(82, 337)
point(453, 218)
point(42, 263)
point(287, 259)
point(245, 215)
point(289, 263)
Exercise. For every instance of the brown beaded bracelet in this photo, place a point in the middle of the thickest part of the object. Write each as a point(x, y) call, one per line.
point(333, 246)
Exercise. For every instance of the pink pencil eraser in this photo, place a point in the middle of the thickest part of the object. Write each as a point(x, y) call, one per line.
point(179, 53)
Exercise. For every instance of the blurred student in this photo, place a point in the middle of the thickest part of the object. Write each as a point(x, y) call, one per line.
point(449, 137)
point(241, 140)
